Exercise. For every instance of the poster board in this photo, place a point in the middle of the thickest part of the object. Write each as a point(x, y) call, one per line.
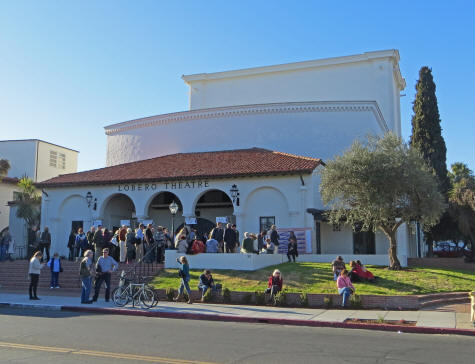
point(304, 239)
point(222, 219)
point(96, 223)
point(125, 222)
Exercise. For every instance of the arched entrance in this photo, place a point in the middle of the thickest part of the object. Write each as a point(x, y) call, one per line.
point(159, 210)
point(210, 205)
point(118, 207)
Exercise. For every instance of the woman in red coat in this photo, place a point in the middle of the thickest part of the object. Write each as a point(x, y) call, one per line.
point(275, 284)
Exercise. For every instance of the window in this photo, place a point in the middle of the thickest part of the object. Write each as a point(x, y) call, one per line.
point(265, 222)
point(53, 158)
point(16, 195)
point(62, 161)
point(364, 242)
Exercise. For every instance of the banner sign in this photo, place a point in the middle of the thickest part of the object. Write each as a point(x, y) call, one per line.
point(190, 220)
point(96, 223)
point(125, 222)
point(222, 219)
point(304, 240)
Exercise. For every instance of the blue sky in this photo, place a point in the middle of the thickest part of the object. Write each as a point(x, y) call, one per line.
point(69, 68)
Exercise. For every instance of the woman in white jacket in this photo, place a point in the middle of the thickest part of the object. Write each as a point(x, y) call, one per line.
point(34, 272)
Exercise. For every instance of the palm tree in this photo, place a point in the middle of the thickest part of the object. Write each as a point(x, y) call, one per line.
point(29, 202)
point(4, 167)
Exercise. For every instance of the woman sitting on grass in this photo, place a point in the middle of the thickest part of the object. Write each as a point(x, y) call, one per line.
point(274, 284)
point(345, 287)
point(358, 273)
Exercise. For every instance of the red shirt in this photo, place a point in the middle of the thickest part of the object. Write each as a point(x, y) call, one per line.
point(275, 281)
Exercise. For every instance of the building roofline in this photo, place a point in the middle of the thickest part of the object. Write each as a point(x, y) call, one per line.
point(331, 61)
point(38, 140)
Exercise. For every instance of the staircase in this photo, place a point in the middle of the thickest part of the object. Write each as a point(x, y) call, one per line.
point(14, 276)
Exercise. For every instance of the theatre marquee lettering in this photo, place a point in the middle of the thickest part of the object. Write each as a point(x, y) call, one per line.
point(179, 185)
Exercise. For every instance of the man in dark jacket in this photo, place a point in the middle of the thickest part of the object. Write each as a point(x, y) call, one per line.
point(274, 237)
point(90, 237)
point(218, 235)
point(206, 282)
point(99, 243)
point(45, 242)
point(230, 239)
point(149, 242)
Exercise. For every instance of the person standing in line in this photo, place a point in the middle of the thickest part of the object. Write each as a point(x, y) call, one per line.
point(90, 238)
point(292, 247)
point(129, 243)
point(55, 266)
point(248, 244)
point(86, 273)
point(33, 241)
point(72, 245)
point(45, 242)
point(99, 243)
point(5, 242)
point(122, 243)
point(81, 244)
point(139, 242)
point(229, 239)
point(159, 238)
point(261, 240)
point(168, 239)
point(218, 235)
point(34, 272)
point(274, 237)
point(149, 242)
point(104, 267)
point(184, 273)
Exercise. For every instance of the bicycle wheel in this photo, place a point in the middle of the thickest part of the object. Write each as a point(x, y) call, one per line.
point(120, 296)
point(155, 295)
point(147, 298)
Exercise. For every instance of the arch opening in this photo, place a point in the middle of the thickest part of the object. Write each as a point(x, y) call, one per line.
point(159, 210)
point(118, 207)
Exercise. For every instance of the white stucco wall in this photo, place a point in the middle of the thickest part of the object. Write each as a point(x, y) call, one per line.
point(280, 196)
point(22, 157)
point(319, 130)
point(369, 76)
point(45, 171)
point(6, 195)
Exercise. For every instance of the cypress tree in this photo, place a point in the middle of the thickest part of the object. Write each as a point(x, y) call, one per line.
point(426, 131)
point(427, 139)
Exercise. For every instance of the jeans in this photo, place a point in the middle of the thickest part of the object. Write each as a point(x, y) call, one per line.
point(3, 252)
point(184, 285)
point(103, 277)
point(43, 246)
point(33, 284)
point(346, 293)
point(54, 279)
point(86, 289)
point(204, 288)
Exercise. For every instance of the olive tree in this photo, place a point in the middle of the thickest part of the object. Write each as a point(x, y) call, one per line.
point(381, 184)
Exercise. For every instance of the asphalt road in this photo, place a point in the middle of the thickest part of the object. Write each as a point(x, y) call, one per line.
point(33, 336)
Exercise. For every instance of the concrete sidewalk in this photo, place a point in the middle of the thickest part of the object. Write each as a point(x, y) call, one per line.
point(284, 315)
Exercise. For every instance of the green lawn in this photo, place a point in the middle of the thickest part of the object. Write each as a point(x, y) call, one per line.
point(317, 278)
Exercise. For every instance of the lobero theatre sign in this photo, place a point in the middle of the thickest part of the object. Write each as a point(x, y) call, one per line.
point(179, 185)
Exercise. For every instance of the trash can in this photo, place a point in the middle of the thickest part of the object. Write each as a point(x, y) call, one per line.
point(472, 307)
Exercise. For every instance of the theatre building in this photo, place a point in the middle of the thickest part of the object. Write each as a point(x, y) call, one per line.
point(248, 151)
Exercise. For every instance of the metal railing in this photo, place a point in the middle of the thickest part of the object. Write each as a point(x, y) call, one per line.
point(144, 269)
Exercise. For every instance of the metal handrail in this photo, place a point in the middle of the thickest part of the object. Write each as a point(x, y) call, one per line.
point(141, 270)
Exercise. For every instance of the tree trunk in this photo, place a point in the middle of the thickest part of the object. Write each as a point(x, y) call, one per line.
point(393, 259)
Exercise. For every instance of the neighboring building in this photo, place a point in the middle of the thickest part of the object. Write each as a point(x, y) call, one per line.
point(249, 150)
point(8, 188)
point(38, 160)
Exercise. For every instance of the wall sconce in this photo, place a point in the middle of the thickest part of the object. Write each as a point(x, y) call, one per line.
point(235, 194)
point(89, 199)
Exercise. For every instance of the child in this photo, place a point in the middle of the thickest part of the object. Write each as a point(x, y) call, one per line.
point(55, 265)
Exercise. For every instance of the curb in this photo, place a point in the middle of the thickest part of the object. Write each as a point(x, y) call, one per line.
point(254, 320)
point(291, 322)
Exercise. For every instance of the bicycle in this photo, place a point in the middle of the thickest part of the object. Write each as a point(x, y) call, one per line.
point(138, 293)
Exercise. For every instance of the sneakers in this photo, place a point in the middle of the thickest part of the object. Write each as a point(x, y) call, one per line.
point(51, 287)
point(57, 287)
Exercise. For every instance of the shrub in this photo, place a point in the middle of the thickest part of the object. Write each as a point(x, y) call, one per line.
point(281, 298)
point(355, 301)
point(226, 295)
point(247, 298)
point(260, 298)
point(328, 301)
point(304, 299)
point(208, 297)
point(170, 293)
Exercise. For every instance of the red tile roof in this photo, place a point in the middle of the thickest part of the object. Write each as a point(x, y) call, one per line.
point(230, 163)
point(10, 180)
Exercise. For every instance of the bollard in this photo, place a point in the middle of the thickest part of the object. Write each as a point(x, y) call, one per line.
point(472, 307)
